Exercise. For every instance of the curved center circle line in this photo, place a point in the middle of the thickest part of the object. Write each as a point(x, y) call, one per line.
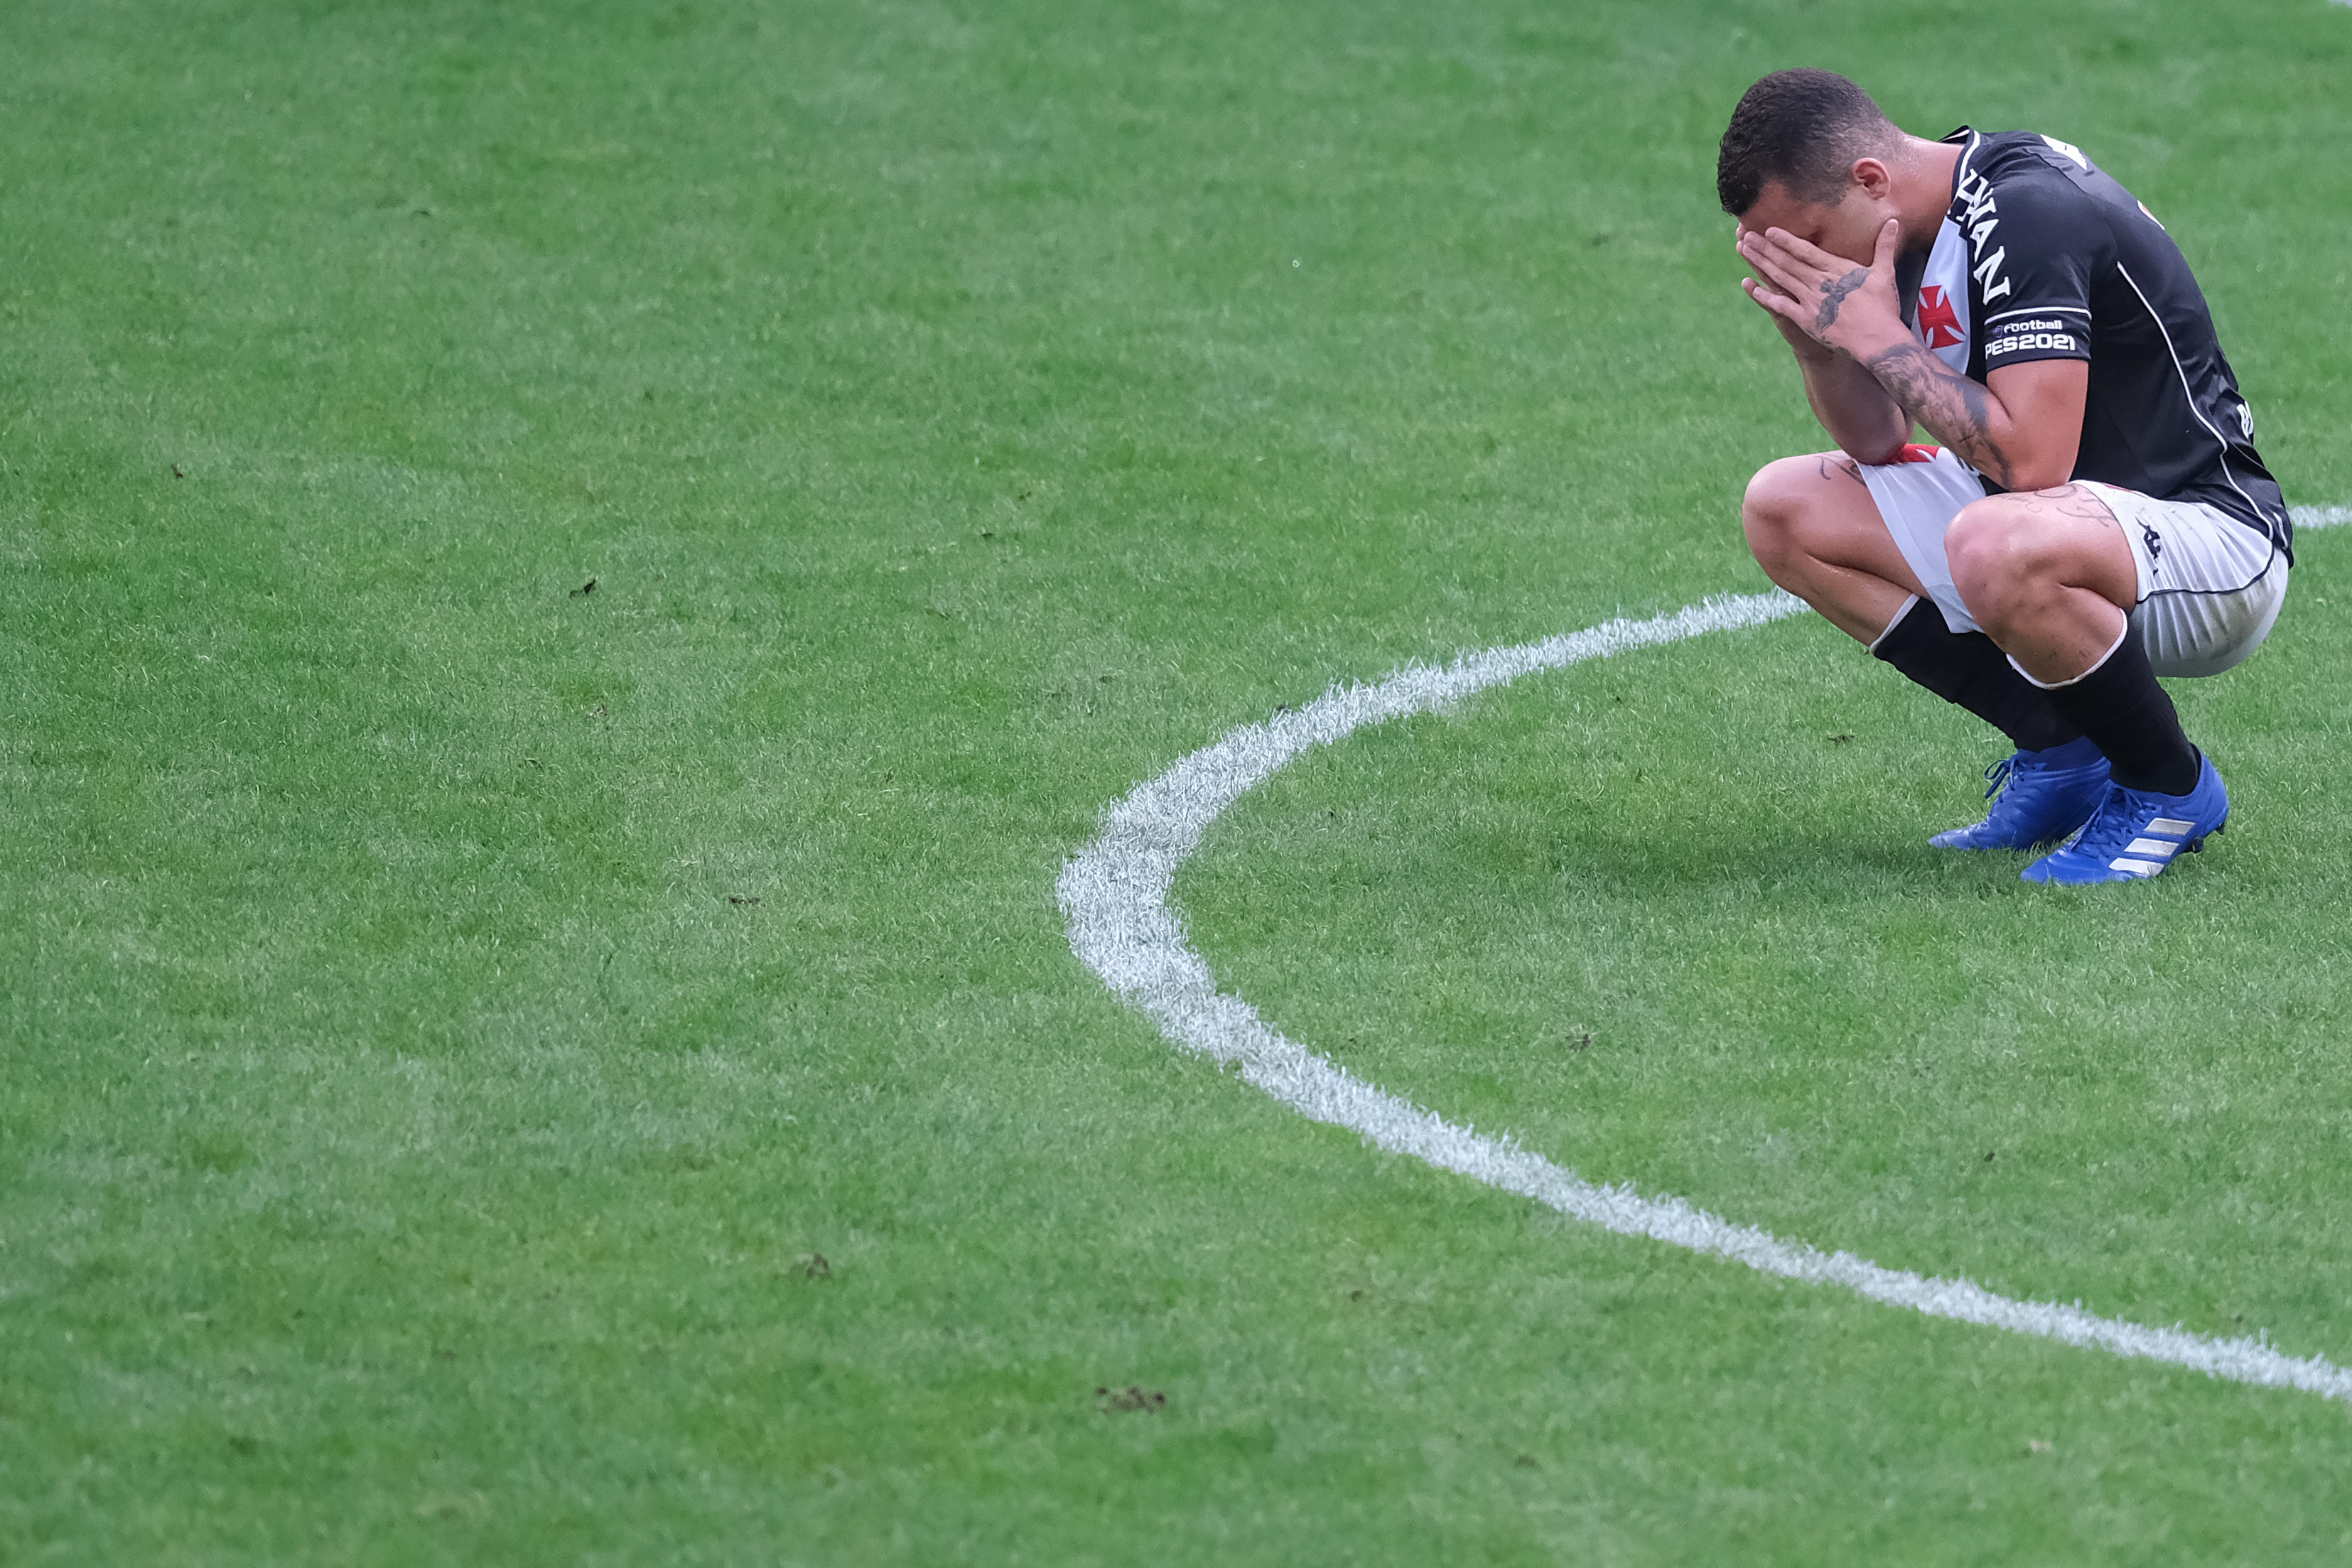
point(1115, 896)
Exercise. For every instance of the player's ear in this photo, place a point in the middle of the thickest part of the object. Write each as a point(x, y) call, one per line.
point(1872, 177)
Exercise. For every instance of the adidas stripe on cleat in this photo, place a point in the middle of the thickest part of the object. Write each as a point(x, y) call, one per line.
point(2137, 834)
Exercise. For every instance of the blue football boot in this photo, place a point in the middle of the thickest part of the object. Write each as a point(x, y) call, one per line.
point(2137, 834)
point(2044, 795)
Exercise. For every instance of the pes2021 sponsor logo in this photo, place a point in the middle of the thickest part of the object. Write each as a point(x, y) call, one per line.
point(2014, 341)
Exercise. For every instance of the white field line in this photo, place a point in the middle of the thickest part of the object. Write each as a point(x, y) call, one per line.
point(1115, 897)
point(2321, 516)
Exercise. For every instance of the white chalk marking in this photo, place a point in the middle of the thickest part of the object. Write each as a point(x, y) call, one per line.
point(2321, 516)
point(1115, 896)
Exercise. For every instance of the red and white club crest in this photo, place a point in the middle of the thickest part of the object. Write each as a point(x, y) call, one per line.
point(1939, 323)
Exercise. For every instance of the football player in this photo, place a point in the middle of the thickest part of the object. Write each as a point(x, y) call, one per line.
point(2091, 513)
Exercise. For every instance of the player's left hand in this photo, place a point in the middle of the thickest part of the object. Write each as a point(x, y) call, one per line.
point(1853, 309)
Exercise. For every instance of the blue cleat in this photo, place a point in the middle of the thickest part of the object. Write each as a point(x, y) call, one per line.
point(2136, 834)
point(2048, 795)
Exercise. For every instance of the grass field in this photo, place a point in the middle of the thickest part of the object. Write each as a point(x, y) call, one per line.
point(498, 1069)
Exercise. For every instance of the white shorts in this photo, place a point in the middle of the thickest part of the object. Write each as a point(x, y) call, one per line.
point(2209, 587)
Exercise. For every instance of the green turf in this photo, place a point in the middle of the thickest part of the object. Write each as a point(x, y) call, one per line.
point(446, 1012)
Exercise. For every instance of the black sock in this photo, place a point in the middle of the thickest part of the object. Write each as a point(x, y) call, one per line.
point(1966, 669)
point(2119, 705)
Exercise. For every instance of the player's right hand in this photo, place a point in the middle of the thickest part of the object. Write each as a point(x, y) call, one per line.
point(1840, 306)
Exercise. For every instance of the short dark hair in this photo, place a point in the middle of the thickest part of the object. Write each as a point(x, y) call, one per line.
point(1800, 128)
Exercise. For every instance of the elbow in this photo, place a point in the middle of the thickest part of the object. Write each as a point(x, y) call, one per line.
point(1872, 455)
point(2037, 468)
point(2026, 477)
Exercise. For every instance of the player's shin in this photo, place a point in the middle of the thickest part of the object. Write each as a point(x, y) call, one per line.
point(1966, 669)
point(2118, 705)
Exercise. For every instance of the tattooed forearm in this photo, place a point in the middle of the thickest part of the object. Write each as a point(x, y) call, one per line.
point(1834, 296)
point(1956, 409)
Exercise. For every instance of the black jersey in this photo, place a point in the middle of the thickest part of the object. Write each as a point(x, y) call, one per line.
point(2042, 257)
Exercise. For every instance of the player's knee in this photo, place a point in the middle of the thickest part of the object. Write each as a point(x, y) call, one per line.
point(1773, 510)
point(1995, 553)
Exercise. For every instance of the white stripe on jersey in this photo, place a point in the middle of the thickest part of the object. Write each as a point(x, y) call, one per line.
point(2191, 393)
point(2048, 310)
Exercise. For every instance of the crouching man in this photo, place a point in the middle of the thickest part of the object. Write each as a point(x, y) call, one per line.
point(2094, 513)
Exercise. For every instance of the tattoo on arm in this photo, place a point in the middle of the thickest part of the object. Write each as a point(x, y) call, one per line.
point(1834, 296)
point(1958, 410)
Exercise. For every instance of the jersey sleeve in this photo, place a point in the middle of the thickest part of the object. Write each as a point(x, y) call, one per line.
point(2033, 256)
